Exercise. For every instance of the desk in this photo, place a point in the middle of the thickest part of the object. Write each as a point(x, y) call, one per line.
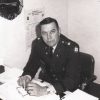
point(9, 74)
point(9, 91)
point(13, 73)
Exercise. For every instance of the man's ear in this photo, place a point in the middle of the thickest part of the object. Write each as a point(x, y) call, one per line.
point(59, 31)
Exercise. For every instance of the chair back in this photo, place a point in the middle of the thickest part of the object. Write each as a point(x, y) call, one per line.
point(87, 67)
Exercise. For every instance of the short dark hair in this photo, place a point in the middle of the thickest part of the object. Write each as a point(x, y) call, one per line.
point(49, 20)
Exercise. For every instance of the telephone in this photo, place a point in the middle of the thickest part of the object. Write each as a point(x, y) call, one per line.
point(2, 69)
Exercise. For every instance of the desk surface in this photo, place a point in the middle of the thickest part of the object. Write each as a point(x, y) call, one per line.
point(9, 74)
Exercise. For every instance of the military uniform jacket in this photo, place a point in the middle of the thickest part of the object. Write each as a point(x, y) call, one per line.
point(61, 69)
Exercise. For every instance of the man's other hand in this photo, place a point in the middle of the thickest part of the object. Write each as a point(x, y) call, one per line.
point(36, 90)
point(24, 80)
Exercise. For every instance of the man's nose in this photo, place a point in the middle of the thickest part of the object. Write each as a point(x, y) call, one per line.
point(48, 36)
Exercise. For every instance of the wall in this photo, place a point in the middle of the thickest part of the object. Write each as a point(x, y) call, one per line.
point(12, 33)
point(84, 27)
point(54, 8)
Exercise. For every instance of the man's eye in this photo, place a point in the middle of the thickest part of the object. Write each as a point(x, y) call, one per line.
point(53, 31)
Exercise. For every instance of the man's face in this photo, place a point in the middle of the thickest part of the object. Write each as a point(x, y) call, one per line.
point(50, 34)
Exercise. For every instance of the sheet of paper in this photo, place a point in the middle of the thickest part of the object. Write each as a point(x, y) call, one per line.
point(9, 74)
point(11, 91)
point(80, 95)
point(32, 18)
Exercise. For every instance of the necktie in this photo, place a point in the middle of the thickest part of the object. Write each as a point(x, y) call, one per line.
point(50, 51)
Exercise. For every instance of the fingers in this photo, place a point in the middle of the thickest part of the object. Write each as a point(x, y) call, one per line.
point(32, 92)
point(31, 86)
point(23, 81)
point(33, 89)
point(20, 81)
point(36, 90)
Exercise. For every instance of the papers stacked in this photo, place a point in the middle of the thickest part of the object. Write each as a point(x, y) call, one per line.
point(80, 95)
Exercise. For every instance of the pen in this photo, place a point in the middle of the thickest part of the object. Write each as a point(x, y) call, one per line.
point(62, 96)
point(24, 85)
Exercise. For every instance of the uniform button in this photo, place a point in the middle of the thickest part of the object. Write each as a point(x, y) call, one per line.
point(68, 43)
point(56, 79)
point(63, 42)
point(54, 75)
point(46, 53)
point(63, 69)
point(57, 55)
point(76, 49)
point(38, 38)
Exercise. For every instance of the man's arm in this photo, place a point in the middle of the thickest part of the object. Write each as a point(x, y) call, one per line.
point(31, 66)
point(33, 62)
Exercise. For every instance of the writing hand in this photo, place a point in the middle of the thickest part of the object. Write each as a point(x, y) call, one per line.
point(36, 90)
point(24, 80)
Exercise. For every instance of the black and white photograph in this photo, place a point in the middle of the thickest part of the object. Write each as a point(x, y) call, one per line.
point(49, 49)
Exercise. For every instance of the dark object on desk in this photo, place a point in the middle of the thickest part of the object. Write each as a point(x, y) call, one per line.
point(2, 69)
point(10, 9)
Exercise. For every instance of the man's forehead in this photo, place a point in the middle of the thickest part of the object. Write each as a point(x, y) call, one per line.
point(51, 25)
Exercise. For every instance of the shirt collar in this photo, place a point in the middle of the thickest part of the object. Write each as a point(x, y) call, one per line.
point(54, 47)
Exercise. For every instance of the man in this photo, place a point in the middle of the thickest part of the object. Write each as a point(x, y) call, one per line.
point(60, 66)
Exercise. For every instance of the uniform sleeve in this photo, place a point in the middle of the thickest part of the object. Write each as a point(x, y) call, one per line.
point(33, 62)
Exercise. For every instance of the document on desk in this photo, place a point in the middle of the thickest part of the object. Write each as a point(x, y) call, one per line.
point(9, 74)
point(80, 95)
point(11, 91)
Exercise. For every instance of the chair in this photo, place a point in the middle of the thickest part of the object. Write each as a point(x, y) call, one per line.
point(87, 66)
point(87, 70)
point(87, 76)
point(87, 83)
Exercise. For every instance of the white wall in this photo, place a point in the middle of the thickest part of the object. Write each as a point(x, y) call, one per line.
point(12, 41)
point(54, 8)
point(12, 33)
point(84, 27)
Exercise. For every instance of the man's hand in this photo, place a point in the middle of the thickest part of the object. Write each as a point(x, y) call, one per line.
point(24, 80)
point(36, 90)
